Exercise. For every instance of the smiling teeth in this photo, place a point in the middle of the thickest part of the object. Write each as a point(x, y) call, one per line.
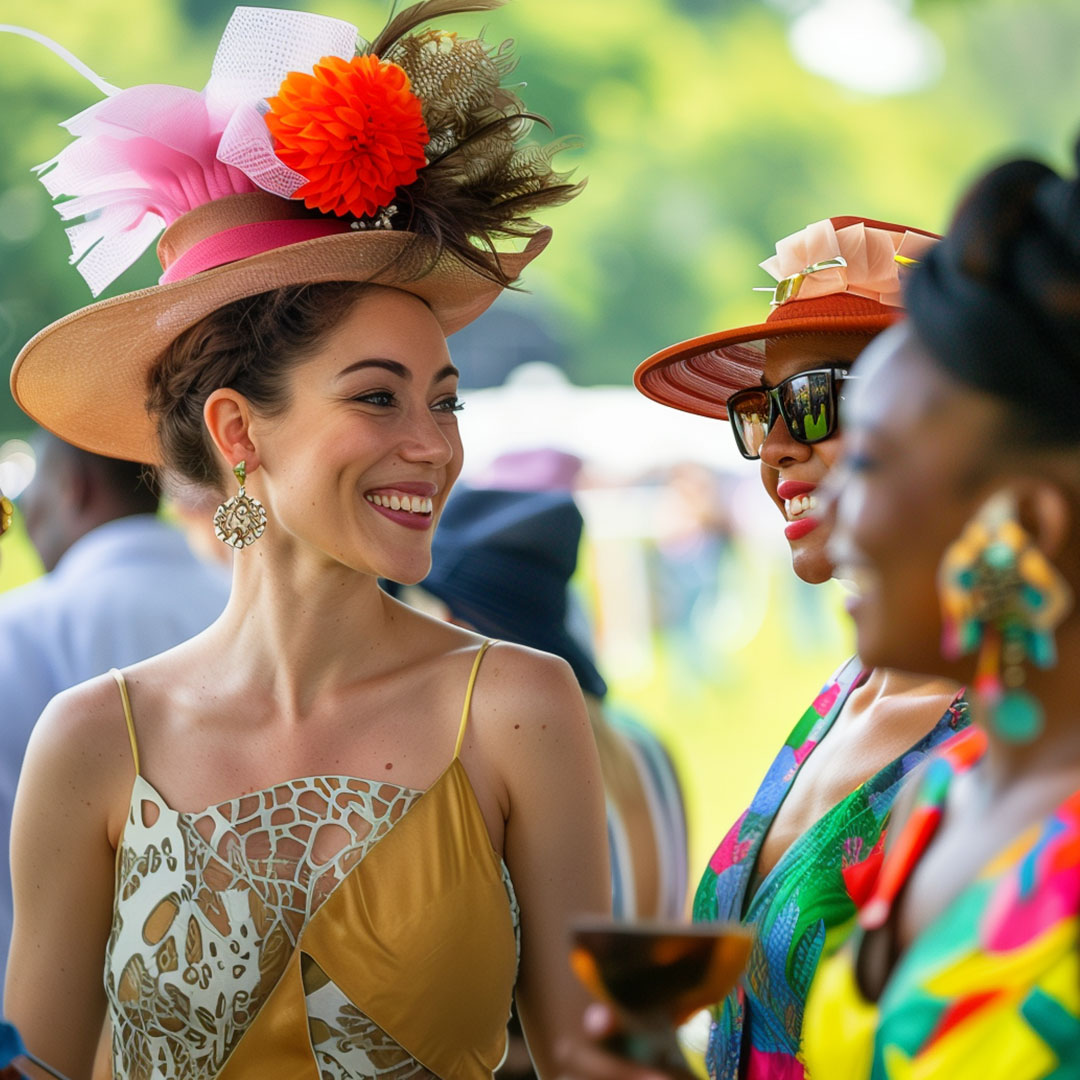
point(414, 504)
point(801, 504)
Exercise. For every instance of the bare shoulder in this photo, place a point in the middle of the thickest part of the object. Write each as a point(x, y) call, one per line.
point(511, 677)
point(534, 690)
point(86, 717)
point(80, 746)
point(521, 675)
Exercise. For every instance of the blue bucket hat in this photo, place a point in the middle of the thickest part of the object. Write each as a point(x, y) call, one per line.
point(502, 562)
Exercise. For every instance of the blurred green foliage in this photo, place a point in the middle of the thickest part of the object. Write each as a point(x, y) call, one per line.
point(704, 143)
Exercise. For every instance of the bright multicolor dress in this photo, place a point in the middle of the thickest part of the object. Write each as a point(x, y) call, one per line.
point(802, 909)
point(991, 989)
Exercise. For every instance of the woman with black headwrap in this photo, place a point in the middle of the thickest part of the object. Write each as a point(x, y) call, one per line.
point(966, 549)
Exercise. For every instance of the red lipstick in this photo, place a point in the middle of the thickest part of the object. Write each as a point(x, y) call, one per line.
point(796, 530)
point(792, 489)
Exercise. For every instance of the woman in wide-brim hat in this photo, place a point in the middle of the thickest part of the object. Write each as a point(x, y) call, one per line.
point(966, 961)
point(786, 866)
point(325, 837)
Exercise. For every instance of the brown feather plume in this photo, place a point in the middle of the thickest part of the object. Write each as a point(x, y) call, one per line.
point(418, 14)
point(481, 183)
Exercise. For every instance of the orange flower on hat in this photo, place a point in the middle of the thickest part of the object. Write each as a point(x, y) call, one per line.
point(353, 129)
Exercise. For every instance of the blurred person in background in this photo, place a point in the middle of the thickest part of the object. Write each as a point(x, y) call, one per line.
point(692, 556)
point(502, 561)
point(966, 550)
point(823, 806)
point(120, 585)
point(193, 510)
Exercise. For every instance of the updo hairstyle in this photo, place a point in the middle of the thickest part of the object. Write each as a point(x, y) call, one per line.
point(250, 346)
point(997, 302)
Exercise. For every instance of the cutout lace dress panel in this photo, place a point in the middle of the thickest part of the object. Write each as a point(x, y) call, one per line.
point(209, 907)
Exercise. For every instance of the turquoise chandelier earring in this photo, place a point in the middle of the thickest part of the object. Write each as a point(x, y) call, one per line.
point(241, 520)
point(1000, 595)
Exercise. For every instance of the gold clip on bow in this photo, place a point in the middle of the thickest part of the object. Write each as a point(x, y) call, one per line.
point(904, 260)
point(788, 288)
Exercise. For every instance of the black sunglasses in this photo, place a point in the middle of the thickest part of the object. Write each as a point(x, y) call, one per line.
point(807, 401)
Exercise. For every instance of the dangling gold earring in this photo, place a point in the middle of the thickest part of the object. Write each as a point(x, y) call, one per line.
point(6, 512)
point(1002, 596)
point(241, 520)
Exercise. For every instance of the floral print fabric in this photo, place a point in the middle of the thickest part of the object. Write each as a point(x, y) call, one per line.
point(802, 909)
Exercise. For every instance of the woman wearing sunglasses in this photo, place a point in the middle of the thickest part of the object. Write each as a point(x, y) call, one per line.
point(823, 805)
point(966, 552)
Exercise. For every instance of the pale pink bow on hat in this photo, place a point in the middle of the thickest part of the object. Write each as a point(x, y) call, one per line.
point(869, 256)
point(147, 155)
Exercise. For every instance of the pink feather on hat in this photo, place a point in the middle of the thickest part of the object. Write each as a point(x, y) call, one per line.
point(145, 156)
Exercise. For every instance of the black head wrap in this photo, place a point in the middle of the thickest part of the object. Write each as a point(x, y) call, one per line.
point(997, 302)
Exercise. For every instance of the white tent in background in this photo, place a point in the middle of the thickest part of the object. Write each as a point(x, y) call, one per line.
point(615, 430)
point(621, 436)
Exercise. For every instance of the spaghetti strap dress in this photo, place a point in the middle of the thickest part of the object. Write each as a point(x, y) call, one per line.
point(323, 928)
point(991, 988)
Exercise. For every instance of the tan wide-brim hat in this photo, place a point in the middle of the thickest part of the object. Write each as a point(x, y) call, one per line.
point(84, 377)
point(699, 375)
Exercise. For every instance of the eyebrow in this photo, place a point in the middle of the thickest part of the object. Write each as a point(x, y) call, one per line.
point(396, 368)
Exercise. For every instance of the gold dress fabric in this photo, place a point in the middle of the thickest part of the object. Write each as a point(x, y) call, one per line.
point(326, 928)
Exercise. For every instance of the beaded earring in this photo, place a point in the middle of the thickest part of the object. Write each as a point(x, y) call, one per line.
point(241, 520)
point(7, 511)
point(1002, 596)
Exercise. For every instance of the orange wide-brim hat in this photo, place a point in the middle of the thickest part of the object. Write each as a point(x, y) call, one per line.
point(837, 276)
point(84, 377)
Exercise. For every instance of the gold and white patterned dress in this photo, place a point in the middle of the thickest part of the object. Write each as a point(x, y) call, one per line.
point(324, 928)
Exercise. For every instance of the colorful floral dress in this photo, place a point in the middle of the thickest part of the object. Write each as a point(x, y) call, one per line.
point(991, 989)
point(802, 909)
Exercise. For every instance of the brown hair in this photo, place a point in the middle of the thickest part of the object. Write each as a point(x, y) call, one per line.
point(250, 346)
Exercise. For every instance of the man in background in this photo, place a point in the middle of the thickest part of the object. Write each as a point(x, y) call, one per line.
point(120, 585)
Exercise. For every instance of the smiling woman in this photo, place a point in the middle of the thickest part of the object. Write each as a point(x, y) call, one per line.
point(960, 516)
point(785, 866)
point(327, 836)
point(281, 366)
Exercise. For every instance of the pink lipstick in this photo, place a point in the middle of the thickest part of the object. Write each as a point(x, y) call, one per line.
point(405, 517)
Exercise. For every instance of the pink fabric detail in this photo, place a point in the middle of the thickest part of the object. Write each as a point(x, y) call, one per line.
point(872, 270)
point(145, 156)
point(1013, 920)
point(826, 699)
point(803, 752)
point(731, 850)
point(242, 241)
point(141, 159)
point(773, 1066)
